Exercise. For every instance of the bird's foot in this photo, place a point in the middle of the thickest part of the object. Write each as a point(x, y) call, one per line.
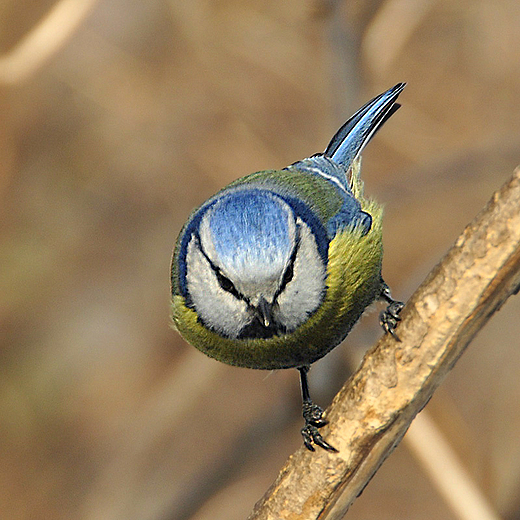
point(389, 318)
point(313, 416)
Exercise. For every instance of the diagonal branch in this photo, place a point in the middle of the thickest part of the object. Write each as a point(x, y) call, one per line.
point(372, 412)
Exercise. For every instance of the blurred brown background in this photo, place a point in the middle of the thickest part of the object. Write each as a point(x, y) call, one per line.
point(116, 119)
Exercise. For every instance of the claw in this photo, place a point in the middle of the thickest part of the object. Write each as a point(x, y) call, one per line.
point(389, 318)
point(322, 443)
point(308, 436)
point(313, 416)
point(311, 436)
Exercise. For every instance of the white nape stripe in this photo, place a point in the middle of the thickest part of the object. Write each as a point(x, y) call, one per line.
point(331, 178)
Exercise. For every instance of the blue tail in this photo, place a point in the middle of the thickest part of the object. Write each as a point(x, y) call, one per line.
point(354, 135)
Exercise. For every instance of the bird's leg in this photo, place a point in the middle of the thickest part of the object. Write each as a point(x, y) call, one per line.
point(389, 318)
point(313, 416)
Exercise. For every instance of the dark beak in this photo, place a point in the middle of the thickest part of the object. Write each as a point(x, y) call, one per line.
point(264, 312)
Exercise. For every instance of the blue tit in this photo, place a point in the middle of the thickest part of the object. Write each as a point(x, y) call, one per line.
point(276, 268)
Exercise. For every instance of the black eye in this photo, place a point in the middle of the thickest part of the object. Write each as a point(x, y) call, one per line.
point(226, 283)
point(288, 275)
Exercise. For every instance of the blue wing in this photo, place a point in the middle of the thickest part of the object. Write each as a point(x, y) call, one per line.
point(353, 136)
point(350, 213)
point(346, 145)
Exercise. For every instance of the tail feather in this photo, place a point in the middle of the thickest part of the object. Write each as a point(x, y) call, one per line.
point(350, 140)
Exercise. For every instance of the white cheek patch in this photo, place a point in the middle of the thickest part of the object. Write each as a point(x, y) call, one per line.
point(218, 309)
point(304, 293)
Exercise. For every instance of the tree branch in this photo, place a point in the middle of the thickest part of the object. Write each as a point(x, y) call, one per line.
point(372, 412)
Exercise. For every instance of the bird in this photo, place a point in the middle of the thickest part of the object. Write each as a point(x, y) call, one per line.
point(274, 270)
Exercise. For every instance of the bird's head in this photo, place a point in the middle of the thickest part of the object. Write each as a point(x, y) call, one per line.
point(253, 266)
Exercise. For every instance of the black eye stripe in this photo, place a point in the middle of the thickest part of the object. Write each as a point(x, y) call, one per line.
point(288, 275)
point(225, 283)
point(289, 271)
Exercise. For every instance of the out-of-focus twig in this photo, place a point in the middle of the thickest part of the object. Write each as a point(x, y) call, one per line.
point(389, 30)
point(43, 40)
point(443, 467)
point(371, 413)
point(344, 69)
